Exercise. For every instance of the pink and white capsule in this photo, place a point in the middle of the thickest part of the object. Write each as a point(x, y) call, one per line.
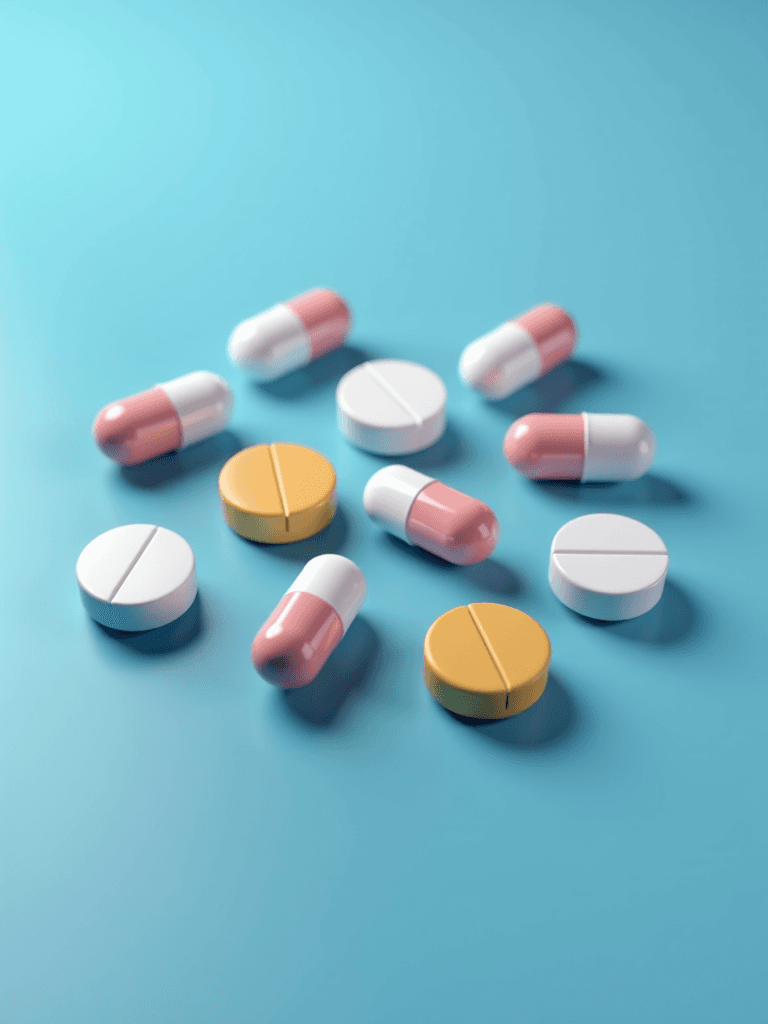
point(518, 352)
point(290, 334)
point(589, 447)
point(167, 417)
point(300, 634)
point(424, 512)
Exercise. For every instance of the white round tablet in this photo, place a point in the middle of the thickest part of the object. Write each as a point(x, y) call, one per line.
point(137, 577)
point(391, 407)
point(608, 567)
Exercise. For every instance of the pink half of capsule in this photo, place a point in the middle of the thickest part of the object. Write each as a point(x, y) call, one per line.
point(518, 352)
point(290, 334)
point(589, 447)
point(428, 514)
point(167, 417)
point(309, 622)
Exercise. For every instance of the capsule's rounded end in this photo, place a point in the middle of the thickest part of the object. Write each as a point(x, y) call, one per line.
point(281, 663)
point(546, 446)
point(477, 372)
point(644, 450)
point(138, 428)
point(477, 538)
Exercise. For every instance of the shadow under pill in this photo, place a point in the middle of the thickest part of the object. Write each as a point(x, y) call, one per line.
point(562, 384)
point(348, 670)
point(157, 472)
point(319, 374)
point(551, 720)
point(328, 541)
point(672, 621)
point(165, 639)
point(447, 450)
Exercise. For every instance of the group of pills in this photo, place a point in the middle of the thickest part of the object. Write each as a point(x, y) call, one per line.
point(481, 660)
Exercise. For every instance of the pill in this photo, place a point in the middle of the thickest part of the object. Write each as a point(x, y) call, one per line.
point(607, 566)
point(486, 660)
point(423, 511)
point(290, 334)
point(278, 493)
point(166, 417)
point(518, 352)
point(136, 577)
point(315, 613)
point(391, 407)
point(590, 446)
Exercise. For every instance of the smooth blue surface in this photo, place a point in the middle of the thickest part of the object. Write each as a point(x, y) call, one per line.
point(182, 843)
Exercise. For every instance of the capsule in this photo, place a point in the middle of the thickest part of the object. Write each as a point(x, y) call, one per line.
point(290, 334)
point(424, 512)
point(300, 634)
point(518, 352)
point(590, 447)
point(167, 417)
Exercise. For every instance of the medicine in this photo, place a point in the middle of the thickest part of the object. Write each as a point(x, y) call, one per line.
point(137, 577)
point(167, 417)
point(290, 334)
point(608, 567)
point(589, 447)
point(518, 352)
point(391, 407)
point(486, 660)
point(422, 511)
point(278, 493)
point(308, 624)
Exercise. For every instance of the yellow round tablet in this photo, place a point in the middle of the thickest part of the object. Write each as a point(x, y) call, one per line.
point(486, 660)
point(278, 493)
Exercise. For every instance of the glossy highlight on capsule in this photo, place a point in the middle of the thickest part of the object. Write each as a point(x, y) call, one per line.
point(424, 512)
point(590, 447)
point(309, 622)
point(518, 352)
point(163, 419)
point(290, 334)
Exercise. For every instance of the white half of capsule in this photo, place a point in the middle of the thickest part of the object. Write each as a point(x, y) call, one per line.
point(501, 362)
point(271, 344)
point(389, 496)
point(203, 403)
point(617, 446)
point(335, 580)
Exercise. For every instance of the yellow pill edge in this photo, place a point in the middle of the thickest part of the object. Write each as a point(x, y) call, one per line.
point(490, 706)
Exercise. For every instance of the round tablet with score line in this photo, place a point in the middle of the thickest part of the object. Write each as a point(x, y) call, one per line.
point(278, 493)
point(391, 406)
point(137, 577)
point(486, 660)
point(608, 567)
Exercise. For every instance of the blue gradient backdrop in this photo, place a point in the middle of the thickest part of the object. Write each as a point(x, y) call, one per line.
point(180, 842)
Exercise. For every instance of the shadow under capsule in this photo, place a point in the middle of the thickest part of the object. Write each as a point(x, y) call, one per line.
point(157, 472)
point(649, 490)
point(547, 394)
point(319, 374)
point(551, 720)
point(348, 670)
point(490, 574)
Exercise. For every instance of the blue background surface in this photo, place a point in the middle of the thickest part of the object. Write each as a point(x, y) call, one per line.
point(183, 843)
